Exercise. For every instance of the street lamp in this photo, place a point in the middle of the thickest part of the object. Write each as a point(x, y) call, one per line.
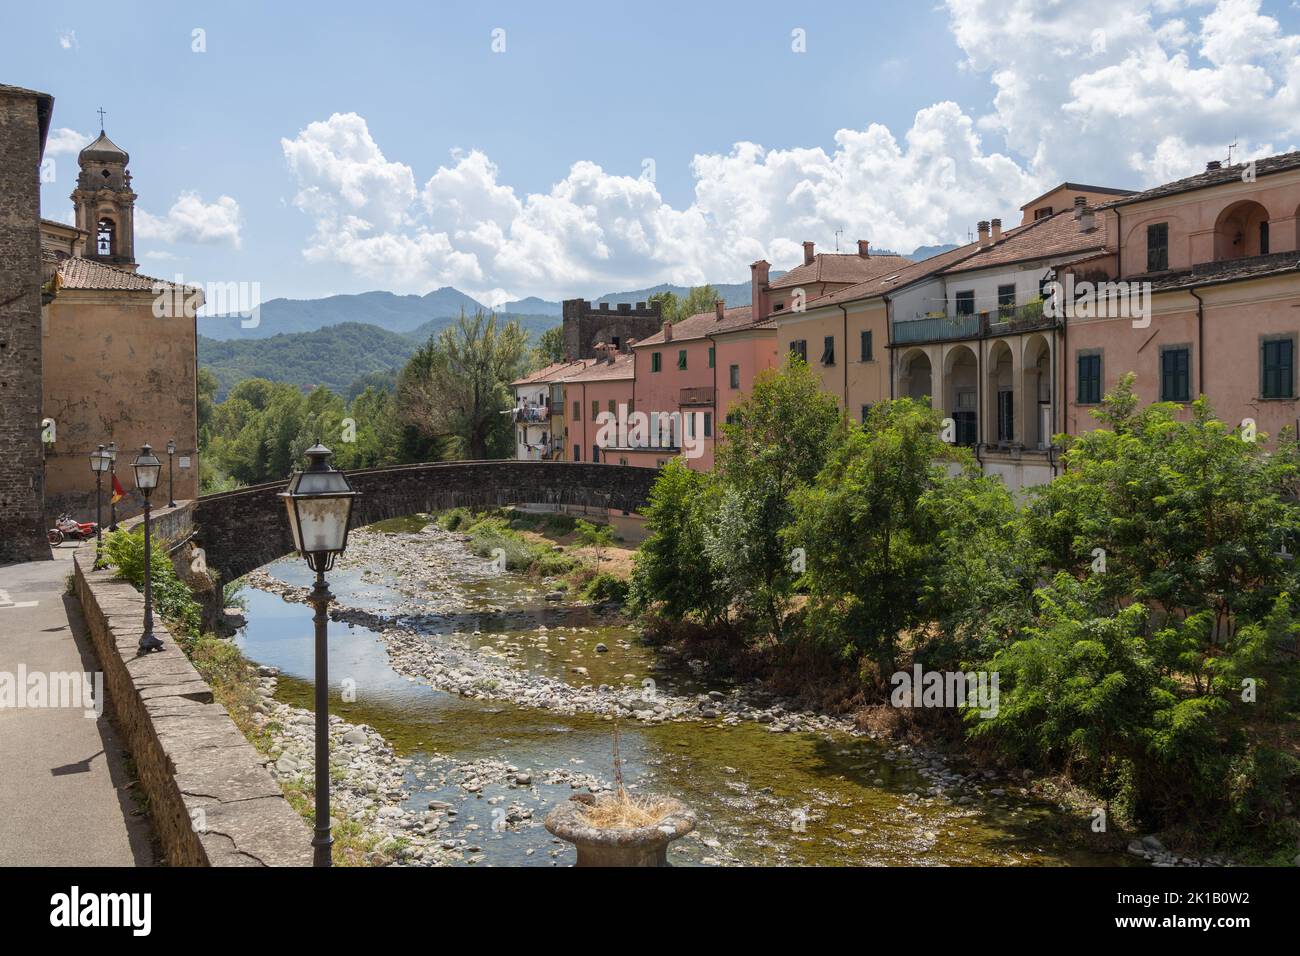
point(319, 504)
point(147, 469)
point(111, 451)
point(99, 464)
point(171, 486)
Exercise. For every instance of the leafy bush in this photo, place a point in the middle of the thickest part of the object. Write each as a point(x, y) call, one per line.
point(455, 520)
point(606, 587)
point(172, 598)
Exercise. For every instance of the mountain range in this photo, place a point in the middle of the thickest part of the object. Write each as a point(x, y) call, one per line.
point(407, 313)
point(339, 340)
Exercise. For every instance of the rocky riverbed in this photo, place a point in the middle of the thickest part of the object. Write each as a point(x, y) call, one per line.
point(447, 620)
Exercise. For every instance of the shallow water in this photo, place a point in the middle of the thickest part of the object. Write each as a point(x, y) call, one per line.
point(761, 798)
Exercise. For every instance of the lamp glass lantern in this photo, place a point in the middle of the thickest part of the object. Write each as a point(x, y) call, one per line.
point(319, 504)
point(99, 460)
point(147, 469)
point(111, 451)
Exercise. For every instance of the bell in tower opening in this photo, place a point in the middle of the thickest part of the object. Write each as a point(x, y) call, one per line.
point(105, 203)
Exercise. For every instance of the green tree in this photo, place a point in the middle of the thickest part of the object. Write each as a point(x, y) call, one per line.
point(870, 540)
point(1184, 515)
point(548, 349)
point(598, 537)
point(457, 385)
point(674, 308)
point(776, 443)
point(670, 576)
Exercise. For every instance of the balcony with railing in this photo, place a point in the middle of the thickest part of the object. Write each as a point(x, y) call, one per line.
point(944, 326)
point(936, 327)
point(696, 395)
point(1021, 318)
point(533, 415)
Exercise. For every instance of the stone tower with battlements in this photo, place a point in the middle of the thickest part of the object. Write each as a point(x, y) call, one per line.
point(585, 325)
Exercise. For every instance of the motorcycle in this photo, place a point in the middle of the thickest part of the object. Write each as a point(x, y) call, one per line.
point(68, 528)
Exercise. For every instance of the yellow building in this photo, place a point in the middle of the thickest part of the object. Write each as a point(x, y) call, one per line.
point(120, 360)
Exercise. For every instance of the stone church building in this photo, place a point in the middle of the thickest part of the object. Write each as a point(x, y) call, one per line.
point(91, 351)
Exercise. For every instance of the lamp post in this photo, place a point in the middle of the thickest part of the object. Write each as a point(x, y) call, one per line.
point(99, 464)
point(319, 503)
point(171, 485)
point(147, 470)
point(111, 451)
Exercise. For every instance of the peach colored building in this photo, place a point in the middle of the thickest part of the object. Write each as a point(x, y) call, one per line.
point(120, 348)
point(833, 347)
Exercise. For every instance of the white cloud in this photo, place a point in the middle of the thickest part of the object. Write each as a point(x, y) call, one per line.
point(190, 219)
point(1116, 92)
point(68, 40)
point(1174, 85)
point(64, 140)
point(597, 230)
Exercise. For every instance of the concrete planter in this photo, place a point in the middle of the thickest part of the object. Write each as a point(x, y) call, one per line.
point(637, 846)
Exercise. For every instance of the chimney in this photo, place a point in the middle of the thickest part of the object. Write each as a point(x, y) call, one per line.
point(808, 254)
point(719, 307)
point(982, 229)
point(1080, 203)
point(629, 343)
point(1213, 165)
point(758, 288)
point(864, 248)
point(668, 331)
point(997, 230)
point(1087, 219)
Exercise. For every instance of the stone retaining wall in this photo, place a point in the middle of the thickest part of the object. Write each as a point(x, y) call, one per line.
point(213, 802)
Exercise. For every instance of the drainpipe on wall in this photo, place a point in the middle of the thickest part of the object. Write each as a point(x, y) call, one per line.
point(1051, 441)
point(1065, 372)
point(1200, 341)
point(889, 341)
point(713, 344)
point(846, 359)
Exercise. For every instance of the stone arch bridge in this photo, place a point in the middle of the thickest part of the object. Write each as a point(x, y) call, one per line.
point(244, 529)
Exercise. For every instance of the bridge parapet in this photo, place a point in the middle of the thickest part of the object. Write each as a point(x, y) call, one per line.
point(244, 529)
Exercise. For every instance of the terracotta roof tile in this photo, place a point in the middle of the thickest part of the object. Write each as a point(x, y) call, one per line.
point(1056, 235)
point(839, 267)
point(622, 367)
point(78, 273)
point(703, 324)
point(1212, 177)
point(555, 372)
point(893, 281)
point(1225, 270)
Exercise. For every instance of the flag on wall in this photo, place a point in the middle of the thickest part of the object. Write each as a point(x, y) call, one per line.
point(118, 491)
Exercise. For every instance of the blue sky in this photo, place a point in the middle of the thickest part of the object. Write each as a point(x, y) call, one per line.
point(332, 148)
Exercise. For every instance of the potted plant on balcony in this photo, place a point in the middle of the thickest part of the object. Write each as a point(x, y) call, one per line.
point(619, 828)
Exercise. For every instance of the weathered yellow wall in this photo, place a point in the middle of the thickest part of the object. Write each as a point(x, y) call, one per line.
point(114, 372)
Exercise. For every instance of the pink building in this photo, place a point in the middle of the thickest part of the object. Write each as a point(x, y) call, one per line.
point(688, 375)
point(602, 387)
point(1219, 250)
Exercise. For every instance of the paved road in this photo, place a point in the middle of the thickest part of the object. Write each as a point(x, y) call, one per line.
point(64, 794)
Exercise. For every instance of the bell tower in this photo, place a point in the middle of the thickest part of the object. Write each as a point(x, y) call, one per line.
point(105, 203)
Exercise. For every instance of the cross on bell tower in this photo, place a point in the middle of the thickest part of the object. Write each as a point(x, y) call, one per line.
point(105, 202)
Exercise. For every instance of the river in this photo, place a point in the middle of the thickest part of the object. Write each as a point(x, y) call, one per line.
point(811, 795)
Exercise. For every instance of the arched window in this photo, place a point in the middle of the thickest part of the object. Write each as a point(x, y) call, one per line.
point(105, 237)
